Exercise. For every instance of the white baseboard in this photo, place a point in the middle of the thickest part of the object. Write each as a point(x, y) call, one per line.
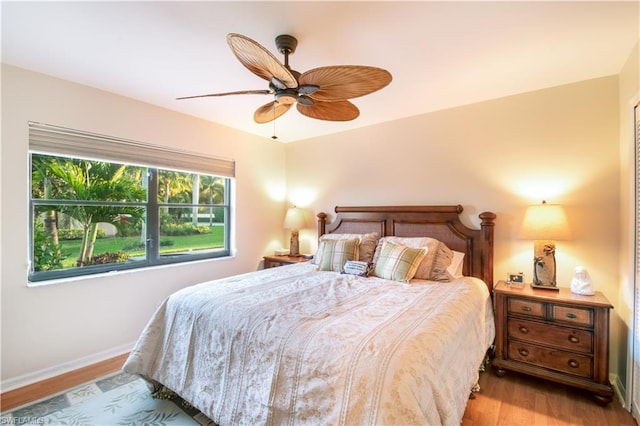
point(47, 373)
point(619, 390)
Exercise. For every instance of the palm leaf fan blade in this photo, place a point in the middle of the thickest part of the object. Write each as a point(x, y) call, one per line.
point(343, 82)
point(269, 112)
point(259, 60)
point(330, 111)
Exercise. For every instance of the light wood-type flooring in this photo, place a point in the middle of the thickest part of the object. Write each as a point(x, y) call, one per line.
point(36, 391)
point(513, 400)
point(521, 400)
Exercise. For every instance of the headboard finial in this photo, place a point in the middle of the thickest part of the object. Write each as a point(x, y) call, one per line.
point(322, 223)
point(488, 218)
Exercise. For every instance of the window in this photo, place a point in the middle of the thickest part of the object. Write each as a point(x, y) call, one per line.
point(91, 215)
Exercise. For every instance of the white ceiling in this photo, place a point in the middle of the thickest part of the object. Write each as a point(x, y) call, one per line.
point(441, 54)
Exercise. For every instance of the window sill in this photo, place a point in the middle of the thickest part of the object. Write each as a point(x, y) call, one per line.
point(109, 274)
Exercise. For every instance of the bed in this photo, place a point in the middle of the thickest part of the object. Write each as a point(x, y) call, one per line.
point(303, 344)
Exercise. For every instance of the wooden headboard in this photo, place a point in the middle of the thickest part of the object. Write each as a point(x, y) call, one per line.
point(440, 222)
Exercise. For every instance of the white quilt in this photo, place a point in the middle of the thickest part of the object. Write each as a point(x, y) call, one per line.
point(292, 345)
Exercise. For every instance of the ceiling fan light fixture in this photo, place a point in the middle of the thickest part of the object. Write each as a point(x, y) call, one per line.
point(305, 100)
point(276, 84)
point(286, 97)
point(308, 89)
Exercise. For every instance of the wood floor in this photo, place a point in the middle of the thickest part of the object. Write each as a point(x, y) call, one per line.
point(36, 391)
point(520, 400)
point(513, 400)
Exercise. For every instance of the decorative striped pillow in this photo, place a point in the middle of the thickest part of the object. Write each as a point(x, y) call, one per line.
point(366, 247)
point(434, 265)
point(335, 253)
point(397, 262)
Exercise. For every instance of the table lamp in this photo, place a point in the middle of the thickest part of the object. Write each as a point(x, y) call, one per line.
point(544, 224)
point(294, 220)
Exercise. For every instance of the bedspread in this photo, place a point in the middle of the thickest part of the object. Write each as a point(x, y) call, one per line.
point(292, 345)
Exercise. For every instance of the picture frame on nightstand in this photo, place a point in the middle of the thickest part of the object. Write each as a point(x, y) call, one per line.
point(515, 279)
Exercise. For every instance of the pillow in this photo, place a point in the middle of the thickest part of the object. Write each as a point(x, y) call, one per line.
point(435, 263)
point(354, 267)
point(455, 269)
point(441, 261)
point(335, 253)
point(366, 248)
point(397, 262)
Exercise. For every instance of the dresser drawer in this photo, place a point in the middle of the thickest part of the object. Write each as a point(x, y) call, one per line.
point(573, 315)
point(561, 337)
point(526, 307)
point(553, 359)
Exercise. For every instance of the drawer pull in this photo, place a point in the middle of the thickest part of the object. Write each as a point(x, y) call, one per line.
point(526, 308)
point(523, 329)
point(574, 339)
point(523, 352)
point(573, 363)
point(572, 316)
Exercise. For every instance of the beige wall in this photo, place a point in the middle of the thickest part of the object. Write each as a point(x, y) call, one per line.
point(560, 144)
point(56, 326)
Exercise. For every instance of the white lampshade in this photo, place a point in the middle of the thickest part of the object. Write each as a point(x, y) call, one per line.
point(545, 222)
point(294, 218)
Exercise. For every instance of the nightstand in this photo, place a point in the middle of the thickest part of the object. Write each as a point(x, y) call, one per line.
point(273, 261)
point(555, 335)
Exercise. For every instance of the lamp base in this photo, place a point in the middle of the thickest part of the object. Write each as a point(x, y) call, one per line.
point(294, 244)
point(544, 263)
point(545, 287)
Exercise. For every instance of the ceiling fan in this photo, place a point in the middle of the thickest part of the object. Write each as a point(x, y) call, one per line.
point(319, 93)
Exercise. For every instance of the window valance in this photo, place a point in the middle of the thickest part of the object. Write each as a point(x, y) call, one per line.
point(49, 139)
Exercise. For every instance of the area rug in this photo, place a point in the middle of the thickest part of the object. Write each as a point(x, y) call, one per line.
point(119, 399)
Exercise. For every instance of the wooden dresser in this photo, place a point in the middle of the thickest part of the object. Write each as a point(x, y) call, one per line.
point(555, 335)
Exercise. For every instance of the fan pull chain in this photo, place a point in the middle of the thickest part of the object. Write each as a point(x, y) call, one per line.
point(274, 137)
